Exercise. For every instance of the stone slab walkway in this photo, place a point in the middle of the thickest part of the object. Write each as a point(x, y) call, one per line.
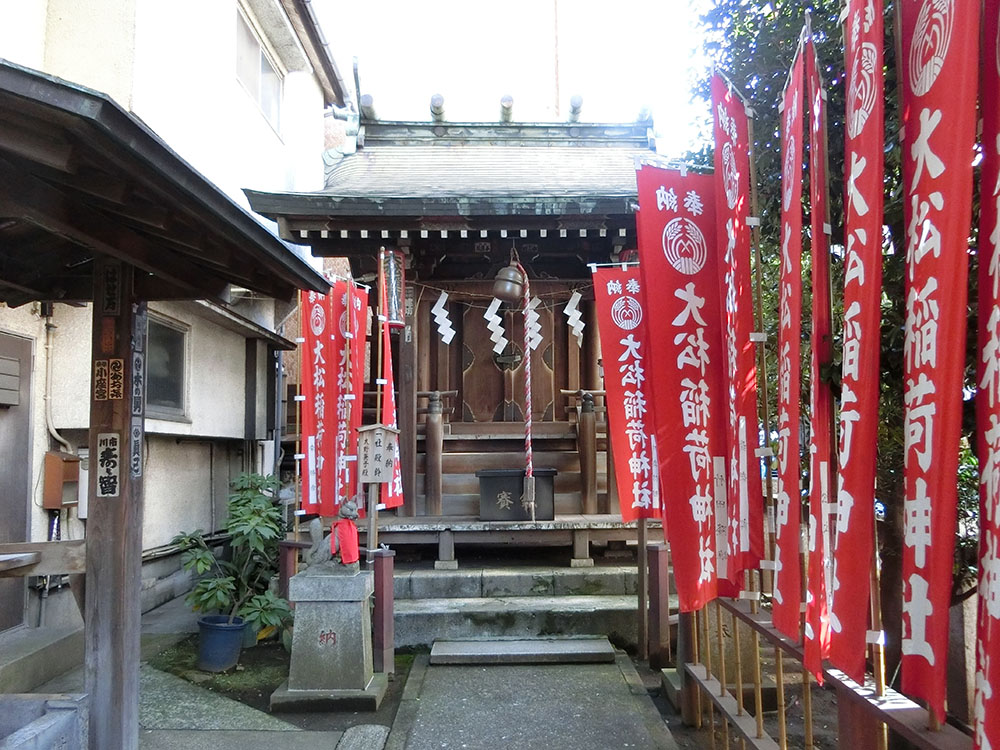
point(582, 706)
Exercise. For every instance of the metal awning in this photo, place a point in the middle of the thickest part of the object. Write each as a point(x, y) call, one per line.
point(80, 177)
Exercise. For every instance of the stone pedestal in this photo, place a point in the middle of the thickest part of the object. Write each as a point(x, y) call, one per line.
point(331, 665)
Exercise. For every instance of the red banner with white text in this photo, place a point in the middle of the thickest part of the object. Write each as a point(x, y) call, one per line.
point(816, 640)
point(318, 385)
point(939, 50)
point(986, 712)
point(391, 492)
point(787, 522)
point(732, 200)
point(624, 347)
point(859, 377)
point(677, 250)
point(350, 306)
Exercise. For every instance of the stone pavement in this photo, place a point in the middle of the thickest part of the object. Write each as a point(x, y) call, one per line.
point(554, 706)
point(508, 707)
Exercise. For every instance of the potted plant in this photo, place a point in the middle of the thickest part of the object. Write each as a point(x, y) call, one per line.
point(233, 591)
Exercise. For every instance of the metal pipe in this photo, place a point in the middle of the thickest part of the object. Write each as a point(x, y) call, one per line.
point(50, 328)
point(575, 105)
point(506, 108)
point(437, 108)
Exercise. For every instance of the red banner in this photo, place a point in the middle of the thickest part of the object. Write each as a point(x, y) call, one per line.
point(624, 349)
point(787, 568)
point(986, 712)
point(677, 248)
point(816, 643)
point(732, 199)
point(855, 528)
point(350, 309)
point(391, 492)
point(939, 44)
point(318, 385)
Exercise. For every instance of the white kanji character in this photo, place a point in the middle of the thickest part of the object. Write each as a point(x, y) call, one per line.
point(632, 374)
point(631, 348)
point(778, 567)
point(845, 503)
point(695, 353)
point(854, 197)
point(632, 286)
point(697, 449)
point(642, 495)
point(666, 199)
point(917, 524)
point(635, 404)
point(318, 358)
point(984, 692)
point(614, 287)
point(922, 235)
point(705, 555)
point(847, 419)
point(693, 204)
point(990, 577)
point(854, 266)
point(638, 464)
point(989, 468)
point(919, 419)
point(695, 403)
point(921, 329)
point(991, 357)
point(920, 150)
point(692, 306)
point(917, 608)
point(852, 340)
point(635, 430)
point(701, 505)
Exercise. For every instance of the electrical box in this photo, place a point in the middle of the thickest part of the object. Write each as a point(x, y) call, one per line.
point(60, 469)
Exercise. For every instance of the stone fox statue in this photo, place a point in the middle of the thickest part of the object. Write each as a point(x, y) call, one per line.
point(341, 544)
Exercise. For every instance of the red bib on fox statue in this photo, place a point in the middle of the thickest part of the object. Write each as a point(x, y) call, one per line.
point(345, 539)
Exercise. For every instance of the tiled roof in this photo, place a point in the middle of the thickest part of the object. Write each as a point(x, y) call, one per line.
point(484, 171)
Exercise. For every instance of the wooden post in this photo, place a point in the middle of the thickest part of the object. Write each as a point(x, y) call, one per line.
point(659, 605)
point(114, 527)
point(643, 582)
point(587, 447)
point(407, 414)
point(383, 636)
point(686, 654)
point(433, 451)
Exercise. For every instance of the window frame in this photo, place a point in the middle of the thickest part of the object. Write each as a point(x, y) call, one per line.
point(264, 57)
point(160, 411)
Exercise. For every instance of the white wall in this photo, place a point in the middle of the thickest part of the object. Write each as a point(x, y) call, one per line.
point(92, 42)
point(22, 33)
point(187, 91)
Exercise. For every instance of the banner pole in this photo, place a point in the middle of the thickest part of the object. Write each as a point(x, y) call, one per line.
point(762, 389)
point(298, 432)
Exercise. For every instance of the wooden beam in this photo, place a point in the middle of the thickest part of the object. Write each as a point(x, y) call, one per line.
point(28, 197)
point(114, 527)
point(37, 147)
point(53, 558)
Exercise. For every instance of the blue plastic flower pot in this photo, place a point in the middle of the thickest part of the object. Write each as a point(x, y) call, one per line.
point(220, 642)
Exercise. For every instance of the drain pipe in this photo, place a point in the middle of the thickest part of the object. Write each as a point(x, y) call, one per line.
point(50, 329)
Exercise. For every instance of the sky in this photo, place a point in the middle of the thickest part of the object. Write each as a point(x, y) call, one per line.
point(619, 55)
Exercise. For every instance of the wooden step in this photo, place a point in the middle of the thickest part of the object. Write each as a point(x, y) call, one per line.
point(566, 650)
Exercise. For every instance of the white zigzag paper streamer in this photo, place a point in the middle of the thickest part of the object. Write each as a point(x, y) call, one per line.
point(574, 317)
point(531, 322)
point(440, 313)
point(495, 323)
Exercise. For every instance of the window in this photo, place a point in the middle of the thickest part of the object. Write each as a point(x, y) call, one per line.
point(166, 358)
point(255, 71)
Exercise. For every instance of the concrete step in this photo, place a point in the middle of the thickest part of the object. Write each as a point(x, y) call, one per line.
point(523, 651)
point(420, 622)
point(610, 580)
